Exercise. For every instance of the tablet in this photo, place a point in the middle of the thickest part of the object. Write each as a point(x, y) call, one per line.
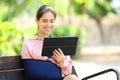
point(67, 44)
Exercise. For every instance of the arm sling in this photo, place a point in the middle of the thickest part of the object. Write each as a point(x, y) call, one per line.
point(41, 70)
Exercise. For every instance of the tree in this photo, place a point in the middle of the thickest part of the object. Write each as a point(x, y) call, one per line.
point(16, 7)
point(96, 9)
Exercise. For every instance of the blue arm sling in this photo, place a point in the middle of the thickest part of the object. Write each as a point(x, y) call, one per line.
point(41, 70)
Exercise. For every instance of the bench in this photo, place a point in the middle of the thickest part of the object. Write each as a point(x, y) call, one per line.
point(115, 71)
point(11, 68)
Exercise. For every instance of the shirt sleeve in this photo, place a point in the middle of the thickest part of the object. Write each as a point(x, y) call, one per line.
point(27, 52)
point(67, 65)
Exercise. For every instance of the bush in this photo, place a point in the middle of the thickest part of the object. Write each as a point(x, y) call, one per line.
point(4, 13)
point(12, 37)
point(67, 30)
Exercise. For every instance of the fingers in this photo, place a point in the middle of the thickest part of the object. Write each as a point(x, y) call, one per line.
point(61, 52)
point(58, 54)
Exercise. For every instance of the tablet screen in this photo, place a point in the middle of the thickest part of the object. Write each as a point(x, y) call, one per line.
point(67, 44)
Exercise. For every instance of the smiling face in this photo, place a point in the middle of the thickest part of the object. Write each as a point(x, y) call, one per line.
point(45, 24)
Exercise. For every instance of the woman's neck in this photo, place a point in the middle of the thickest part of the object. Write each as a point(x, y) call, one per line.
point(42, 36)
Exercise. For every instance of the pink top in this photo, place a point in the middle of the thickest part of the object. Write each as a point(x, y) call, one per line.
point(32, 49)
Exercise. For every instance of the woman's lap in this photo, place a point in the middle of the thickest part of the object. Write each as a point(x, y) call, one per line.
point(41, 70)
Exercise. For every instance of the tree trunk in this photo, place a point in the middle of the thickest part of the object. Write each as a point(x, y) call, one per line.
point(101, 30)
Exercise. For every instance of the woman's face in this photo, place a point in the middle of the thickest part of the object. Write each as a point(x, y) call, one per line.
point(45, 23)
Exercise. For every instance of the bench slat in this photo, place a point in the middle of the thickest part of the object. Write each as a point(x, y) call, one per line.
point(12, 75)
point(10, 62)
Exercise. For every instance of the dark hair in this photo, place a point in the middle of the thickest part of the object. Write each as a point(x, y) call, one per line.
point(43, 9)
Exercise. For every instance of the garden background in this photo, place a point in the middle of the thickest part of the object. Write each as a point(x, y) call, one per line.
point(96, 22)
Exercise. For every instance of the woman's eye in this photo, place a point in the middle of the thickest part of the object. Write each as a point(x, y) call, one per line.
point(52, 21)
point(44, 21)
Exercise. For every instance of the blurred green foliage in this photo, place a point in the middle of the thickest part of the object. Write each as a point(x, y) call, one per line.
point(12, 36)
point(96, 9)
point(68, 30)
point(65, 30)
point(18, 7)
point(15, 7)
point(4, 14)
point(9, 38)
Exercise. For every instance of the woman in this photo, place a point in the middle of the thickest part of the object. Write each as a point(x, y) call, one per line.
point(37, 67)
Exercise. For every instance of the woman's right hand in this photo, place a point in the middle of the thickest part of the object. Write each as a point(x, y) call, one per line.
point(58, 56)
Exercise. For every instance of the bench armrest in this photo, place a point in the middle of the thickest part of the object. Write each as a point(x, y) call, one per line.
point(103, 72)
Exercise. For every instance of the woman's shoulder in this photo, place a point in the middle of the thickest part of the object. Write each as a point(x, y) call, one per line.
point(28, 41)
point(33, 40)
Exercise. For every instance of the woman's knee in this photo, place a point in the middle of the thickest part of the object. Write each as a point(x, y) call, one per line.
point(71, 77)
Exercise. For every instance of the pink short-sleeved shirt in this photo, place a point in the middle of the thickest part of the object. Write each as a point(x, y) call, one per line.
point(32, 49)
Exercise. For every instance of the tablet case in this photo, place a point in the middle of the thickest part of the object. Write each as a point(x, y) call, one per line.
point(67, 44)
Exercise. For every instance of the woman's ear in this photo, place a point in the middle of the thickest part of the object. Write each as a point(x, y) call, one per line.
point(36, 20)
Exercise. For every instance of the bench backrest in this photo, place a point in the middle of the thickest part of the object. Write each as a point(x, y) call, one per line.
point(11, 68)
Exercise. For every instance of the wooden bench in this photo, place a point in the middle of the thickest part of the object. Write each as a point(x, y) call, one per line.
point(115, 71)
point(11, 68)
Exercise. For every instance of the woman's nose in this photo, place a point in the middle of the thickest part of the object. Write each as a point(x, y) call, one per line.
point(49, 24)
